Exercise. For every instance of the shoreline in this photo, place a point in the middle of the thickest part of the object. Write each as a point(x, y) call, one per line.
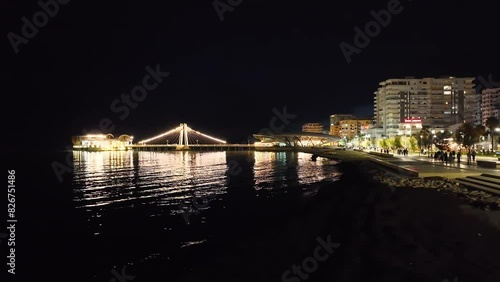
point(401, 234)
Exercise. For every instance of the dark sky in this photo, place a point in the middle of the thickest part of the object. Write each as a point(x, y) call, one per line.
point(225, 77)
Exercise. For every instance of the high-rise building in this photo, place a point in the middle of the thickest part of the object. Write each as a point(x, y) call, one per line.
point(437, 102)
point(312, 127)
point(490, 104)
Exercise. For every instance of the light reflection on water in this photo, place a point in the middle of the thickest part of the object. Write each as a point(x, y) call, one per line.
point(110, 181)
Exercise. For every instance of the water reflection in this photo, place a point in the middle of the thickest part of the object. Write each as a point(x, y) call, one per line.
point(133, 204)
point(154, 184)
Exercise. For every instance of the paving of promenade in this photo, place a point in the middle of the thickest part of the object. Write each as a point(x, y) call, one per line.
point(423, 166)
point(428, 167)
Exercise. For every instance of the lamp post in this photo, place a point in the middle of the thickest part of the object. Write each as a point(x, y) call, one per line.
point(496, 130)
point(462, 135)
point(433, 136)
point(421, 145)
point(432, 141)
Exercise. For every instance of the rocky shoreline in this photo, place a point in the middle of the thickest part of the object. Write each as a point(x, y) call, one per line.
point(474, 197)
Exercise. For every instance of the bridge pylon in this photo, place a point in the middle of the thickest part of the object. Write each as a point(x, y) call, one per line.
point(183, 137)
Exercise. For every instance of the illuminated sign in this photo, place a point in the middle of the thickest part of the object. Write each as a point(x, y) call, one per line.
point(412, 120)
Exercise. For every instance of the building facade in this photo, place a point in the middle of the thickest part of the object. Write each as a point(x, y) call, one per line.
point(313, 127)
point(349, 126)
point(410, 126)
point(373, 132)
point(101, 142)
point(437, 102)
point(335, 122)
point(490, 104)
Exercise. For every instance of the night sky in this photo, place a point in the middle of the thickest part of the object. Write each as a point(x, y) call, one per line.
point(225, 76)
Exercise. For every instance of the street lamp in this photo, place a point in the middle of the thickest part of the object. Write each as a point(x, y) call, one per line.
point(496, 130)
point(421, 145)
point(462, 135)
point(433, 136)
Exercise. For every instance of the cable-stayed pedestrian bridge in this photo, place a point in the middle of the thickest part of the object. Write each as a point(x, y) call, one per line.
point(185, 138)
point(182, 136)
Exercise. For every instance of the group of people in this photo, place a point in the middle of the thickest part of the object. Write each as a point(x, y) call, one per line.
point(403, 151)
point(449, 157)
point(400, 151)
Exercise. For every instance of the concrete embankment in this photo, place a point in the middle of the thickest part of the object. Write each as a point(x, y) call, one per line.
point(379, 159)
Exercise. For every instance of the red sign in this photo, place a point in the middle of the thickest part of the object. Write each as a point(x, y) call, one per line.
point(412, 120)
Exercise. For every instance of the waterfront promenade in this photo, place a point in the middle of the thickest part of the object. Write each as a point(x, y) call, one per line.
point(413, 165)
point(428, 167)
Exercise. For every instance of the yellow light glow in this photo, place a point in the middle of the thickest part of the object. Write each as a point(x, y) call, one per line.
point(262, 144)
point(204, 135)
point(161, 135)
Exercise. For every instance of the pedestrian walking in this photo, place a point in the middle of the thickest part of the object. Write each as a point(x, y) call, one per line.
point(468, 157)
point(473, 155)
point(458, 156)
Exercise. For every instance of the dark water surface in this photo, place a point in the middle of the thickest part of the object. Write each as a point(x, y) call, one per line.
point(145, 209)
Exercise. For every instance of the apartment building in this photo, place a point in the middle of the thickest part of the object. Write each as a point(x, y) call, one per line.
point(335, 122)
point(349, 126)
point(437, 102)
point(490, 104)
point(312, 127)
